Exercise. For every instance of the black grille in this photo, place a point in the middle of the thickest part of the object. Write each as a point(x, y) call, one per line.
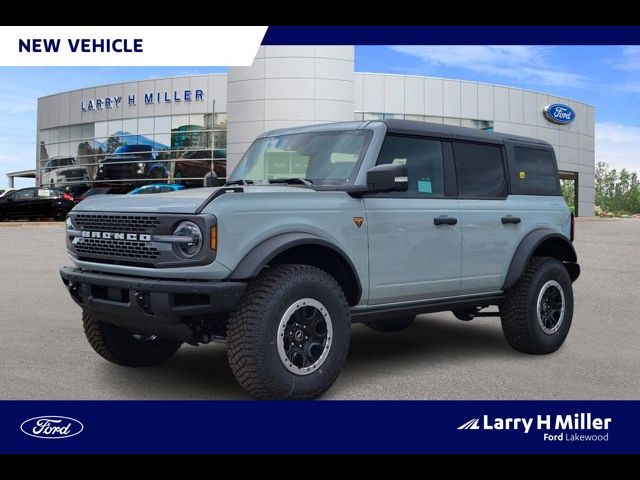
point(78, 172)
point(116, 223)
point(116, 248)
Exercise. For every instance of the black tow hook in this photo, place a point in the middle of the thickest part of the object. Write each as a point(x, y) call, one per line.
point(75, 291)
point(143, 301)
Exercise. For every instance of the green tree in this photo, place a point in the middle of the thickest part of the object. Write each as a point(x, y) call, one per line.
point(569, 193)
point(617, 192)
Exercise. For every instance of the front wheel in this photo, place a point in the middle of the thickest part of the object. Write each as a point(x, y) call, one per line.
point(289, 335)
point(60, 214)
point(538, 309)
point(122, 347)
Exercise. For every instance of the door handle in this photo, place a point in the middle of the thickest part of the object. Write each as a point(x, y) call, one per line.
point(510, 219)
point(445, 220)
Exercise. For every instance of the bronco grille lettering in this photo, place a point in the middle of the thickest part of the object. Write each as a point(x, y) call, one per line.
point(133, 237)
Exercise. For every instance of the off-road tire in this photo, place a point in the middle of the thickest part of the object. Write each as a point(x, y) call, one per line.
point(392, 325)
point(119, 346)
point(519, 311)
point(252, 332)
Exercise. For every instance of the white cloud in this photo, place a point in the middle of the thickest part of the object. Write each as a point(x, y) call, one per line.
point(532, 64)
point(630, 59)
point(618, 145)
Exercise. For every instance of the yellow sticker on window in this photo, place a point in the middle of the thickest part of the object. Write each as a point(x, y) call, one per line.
point(522, 175)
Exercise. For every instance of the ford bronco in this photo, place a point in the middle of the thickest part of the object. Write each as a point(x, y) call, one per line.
point(320, 227)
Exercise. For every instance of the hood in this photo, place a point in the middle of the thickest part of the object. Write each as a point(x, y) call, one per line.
point(183, 201)
point(70, 168)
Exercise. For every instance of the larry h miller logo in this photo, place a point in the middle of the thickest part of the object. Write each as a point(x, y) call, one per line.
point(577, 427)
point(51, 427)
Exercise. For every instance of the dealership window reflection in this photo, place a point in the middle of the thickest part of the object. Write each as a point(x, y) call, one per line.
point(173, 139)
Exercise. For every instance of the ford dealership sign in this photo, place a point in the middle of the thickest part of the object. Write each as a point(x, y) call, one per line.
point(559, 113)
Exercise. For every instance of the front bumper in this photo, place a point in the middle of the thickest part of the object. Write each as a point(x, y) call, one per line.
point(150, 306)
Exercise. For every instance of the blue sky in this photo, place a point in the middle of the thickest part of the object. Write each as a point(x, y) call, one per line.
point(607, 77)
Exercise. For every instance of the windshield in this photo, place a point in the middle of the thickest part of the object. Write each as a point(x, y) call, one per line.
point(66, 162)
point(142, 151)
point(319, 158)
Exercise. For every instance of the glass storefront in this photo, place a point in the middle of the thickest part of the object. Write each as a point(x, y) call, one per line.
point(460, 122)
point(178, 148)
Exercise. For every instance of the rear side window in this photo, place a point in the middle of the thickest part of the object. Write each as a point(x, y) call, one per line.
point(480, 170)
point(47, 193)
point(535, 172)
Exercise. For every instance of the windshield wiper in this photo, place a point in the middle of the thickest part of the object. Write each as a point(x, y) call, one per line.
point(239, 182)
point(293, 180)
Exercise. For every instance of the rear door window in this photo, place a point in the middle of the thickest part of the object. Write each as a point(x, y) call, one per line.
point(535, 172)
point(47, 193)
point(480, 170)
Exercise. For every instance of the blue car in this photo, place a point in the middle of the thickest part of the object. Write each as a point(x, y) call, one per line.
point(157, 188)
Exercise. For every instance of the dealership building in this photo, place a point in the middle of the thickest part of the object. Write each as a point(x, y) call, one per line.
point(290, 86)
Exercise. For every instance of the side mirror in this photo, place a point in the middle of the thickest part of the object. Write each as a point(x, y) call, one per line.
point(388, 178)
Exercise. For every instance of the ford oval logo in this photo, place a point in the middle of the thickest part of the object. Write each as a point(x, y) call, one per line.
point(51, 427)
point(559, 113)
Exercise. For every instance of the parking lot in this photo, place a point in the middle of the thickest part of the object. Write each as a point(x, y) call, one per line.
point(44, 355)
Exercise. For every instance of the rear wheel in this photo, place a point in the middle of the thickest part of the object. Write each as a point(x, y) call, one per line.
point(538, 309)
point(122, 347)
point(392, 325)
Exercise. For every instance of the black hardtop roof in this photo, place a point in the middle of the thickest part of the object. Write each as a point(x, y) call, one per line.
point(411, 127)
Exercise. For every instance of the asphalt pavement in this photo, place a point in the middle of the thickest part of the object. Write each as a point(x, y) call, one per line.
point(44, 355)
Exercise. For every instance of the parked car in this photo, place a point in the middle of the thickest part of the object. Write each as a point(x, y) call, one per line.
point(36, 203)
point(133, 163)
point(157, 188)
point(323, 226)
point(63, 171)
point(4, 191)
point(99, 191)
point(194, 165)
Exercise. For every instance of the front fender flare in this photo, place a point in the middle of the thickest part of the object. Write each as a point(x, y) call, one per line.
point(253, 263)
point(528, 246)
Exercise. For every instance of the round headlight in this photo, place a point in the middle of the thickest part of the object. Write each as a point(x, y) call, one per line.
point(192, 247)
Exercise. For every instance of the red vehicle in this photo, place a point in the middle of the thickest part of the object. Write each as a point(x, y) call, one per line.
point(194, 165)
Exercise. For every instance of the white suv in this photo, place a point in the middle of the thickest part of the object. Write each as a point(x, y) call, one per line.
point(64, 171)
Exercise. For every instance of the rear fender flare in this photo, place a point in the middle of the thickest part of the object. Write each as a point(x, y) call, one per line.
point(530, 244)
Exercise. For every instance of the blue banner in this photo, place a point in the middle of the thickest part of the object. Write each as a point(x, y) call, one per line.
point(452, 35)
point(319, 427)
